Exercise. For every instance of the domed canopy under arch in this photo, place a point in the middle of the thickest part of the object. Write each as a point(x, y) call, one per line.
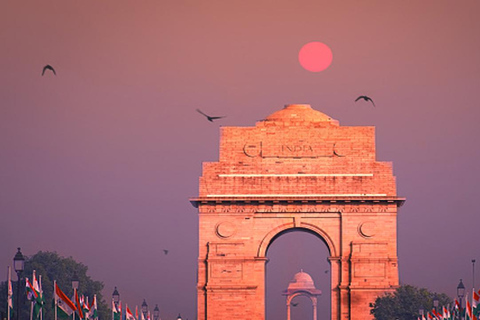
point(302, 285)
point(302, 281)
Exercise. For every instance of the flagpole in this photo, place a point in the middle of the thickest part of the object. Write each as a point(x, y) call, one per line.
point(74, 299)
point(55, 297)
point(94, 306)
point(473, 274)
point(9, 297)
point(113, 306)
point(41, 295)
point(31, 301)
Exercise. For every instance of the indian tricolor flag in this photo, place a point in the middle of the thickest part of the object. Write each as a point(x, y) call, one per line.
point(456, 309)
point(9, 295)
point(31, 293)
point(117, 311)
point(93, 308)
point(64, 306)
point(39, 301)
point(475, 302)
point(436, 314)
point(79, 306)
point(468, 310)
point(446, 313)
point(85, 308)
point(128, 314)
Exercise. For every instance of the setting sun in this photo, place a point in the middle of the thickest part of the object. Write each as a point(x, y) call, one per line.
point(315, 56)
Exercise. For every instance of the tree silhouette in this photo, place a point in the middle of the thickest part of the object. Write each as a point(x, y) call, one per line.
point(52, 266)
point(405, 302)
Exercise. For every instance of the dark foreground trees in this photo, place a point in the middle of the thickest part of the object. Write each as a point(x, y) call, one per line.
point(52, 267)
point(405, 302)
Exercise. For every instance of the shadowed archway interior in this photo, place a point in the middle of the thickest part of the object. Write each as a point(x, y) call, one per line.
point(293, 251)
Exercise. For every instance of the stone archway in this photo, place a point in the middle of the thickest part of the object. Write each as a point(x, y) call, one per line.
point(297, 169)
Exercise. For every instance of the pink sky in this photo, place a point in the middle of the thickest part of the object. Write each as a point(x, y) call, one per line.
point(107, 154)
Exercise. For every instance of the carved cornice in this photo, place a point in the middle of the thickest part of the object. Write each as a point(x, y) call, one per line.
point(293, 204)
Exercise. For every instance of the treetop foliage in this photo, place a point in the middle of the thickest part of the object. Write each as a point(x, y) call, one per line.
point(405, 303)
point(51, 266)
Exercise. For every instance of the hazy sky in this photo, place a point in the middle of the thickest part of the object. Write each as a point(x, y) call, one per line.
point(99, 162)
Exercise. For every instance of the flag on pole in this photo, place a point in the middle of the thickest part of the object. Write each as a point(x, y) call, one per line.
point(142, 316)
point(93, 308)
point(79, 306)
point(29, 289)
point(475, 302)
point(148, 315)
point(9, 295)
point(437, 314)
point(85, 308)
point(128, 313)
point(38, 301)
point(64, 306)
point(457, 304)
point(117, 310)
point(446, 313)
point(456, 310)
point(468, 309)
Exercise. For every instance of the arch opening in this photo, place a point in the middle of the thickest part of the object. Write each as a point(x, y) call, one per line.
point(301, 308)
point(290, 251)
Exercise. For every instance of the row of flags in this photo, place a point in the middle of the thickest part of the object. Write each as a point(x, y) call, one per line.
point(117, 313)
point(470, 312)
point(81, 308)
point(64, 307)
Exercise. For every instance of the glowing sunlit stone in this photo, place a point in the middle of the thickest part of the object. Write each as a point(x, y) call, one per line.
point(315, 56)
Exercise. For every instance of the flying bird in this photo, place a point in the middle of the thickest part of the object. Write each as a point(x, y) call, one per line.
point(366, 98)
point(295, 304)
point(165, 251)
point(209, 118)
point(48, 67)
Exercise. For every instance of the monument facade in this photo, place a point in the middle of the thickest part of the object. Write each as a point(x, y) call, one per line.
point(298, 169)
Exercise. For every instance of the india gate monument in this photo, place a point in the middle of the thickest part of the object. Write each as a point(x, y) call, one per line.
point(298, 169)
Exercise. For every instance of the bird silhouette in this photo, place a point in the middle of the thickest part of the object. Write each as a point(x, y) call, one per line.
point(295, 304)
point(165, 251)
point(209, 118)
point(366, 98)
point(48, 67)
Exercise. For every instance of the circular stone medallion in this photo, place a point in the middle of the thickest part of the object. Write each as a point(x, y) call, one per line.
point(225, 229)
point(367, 229)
